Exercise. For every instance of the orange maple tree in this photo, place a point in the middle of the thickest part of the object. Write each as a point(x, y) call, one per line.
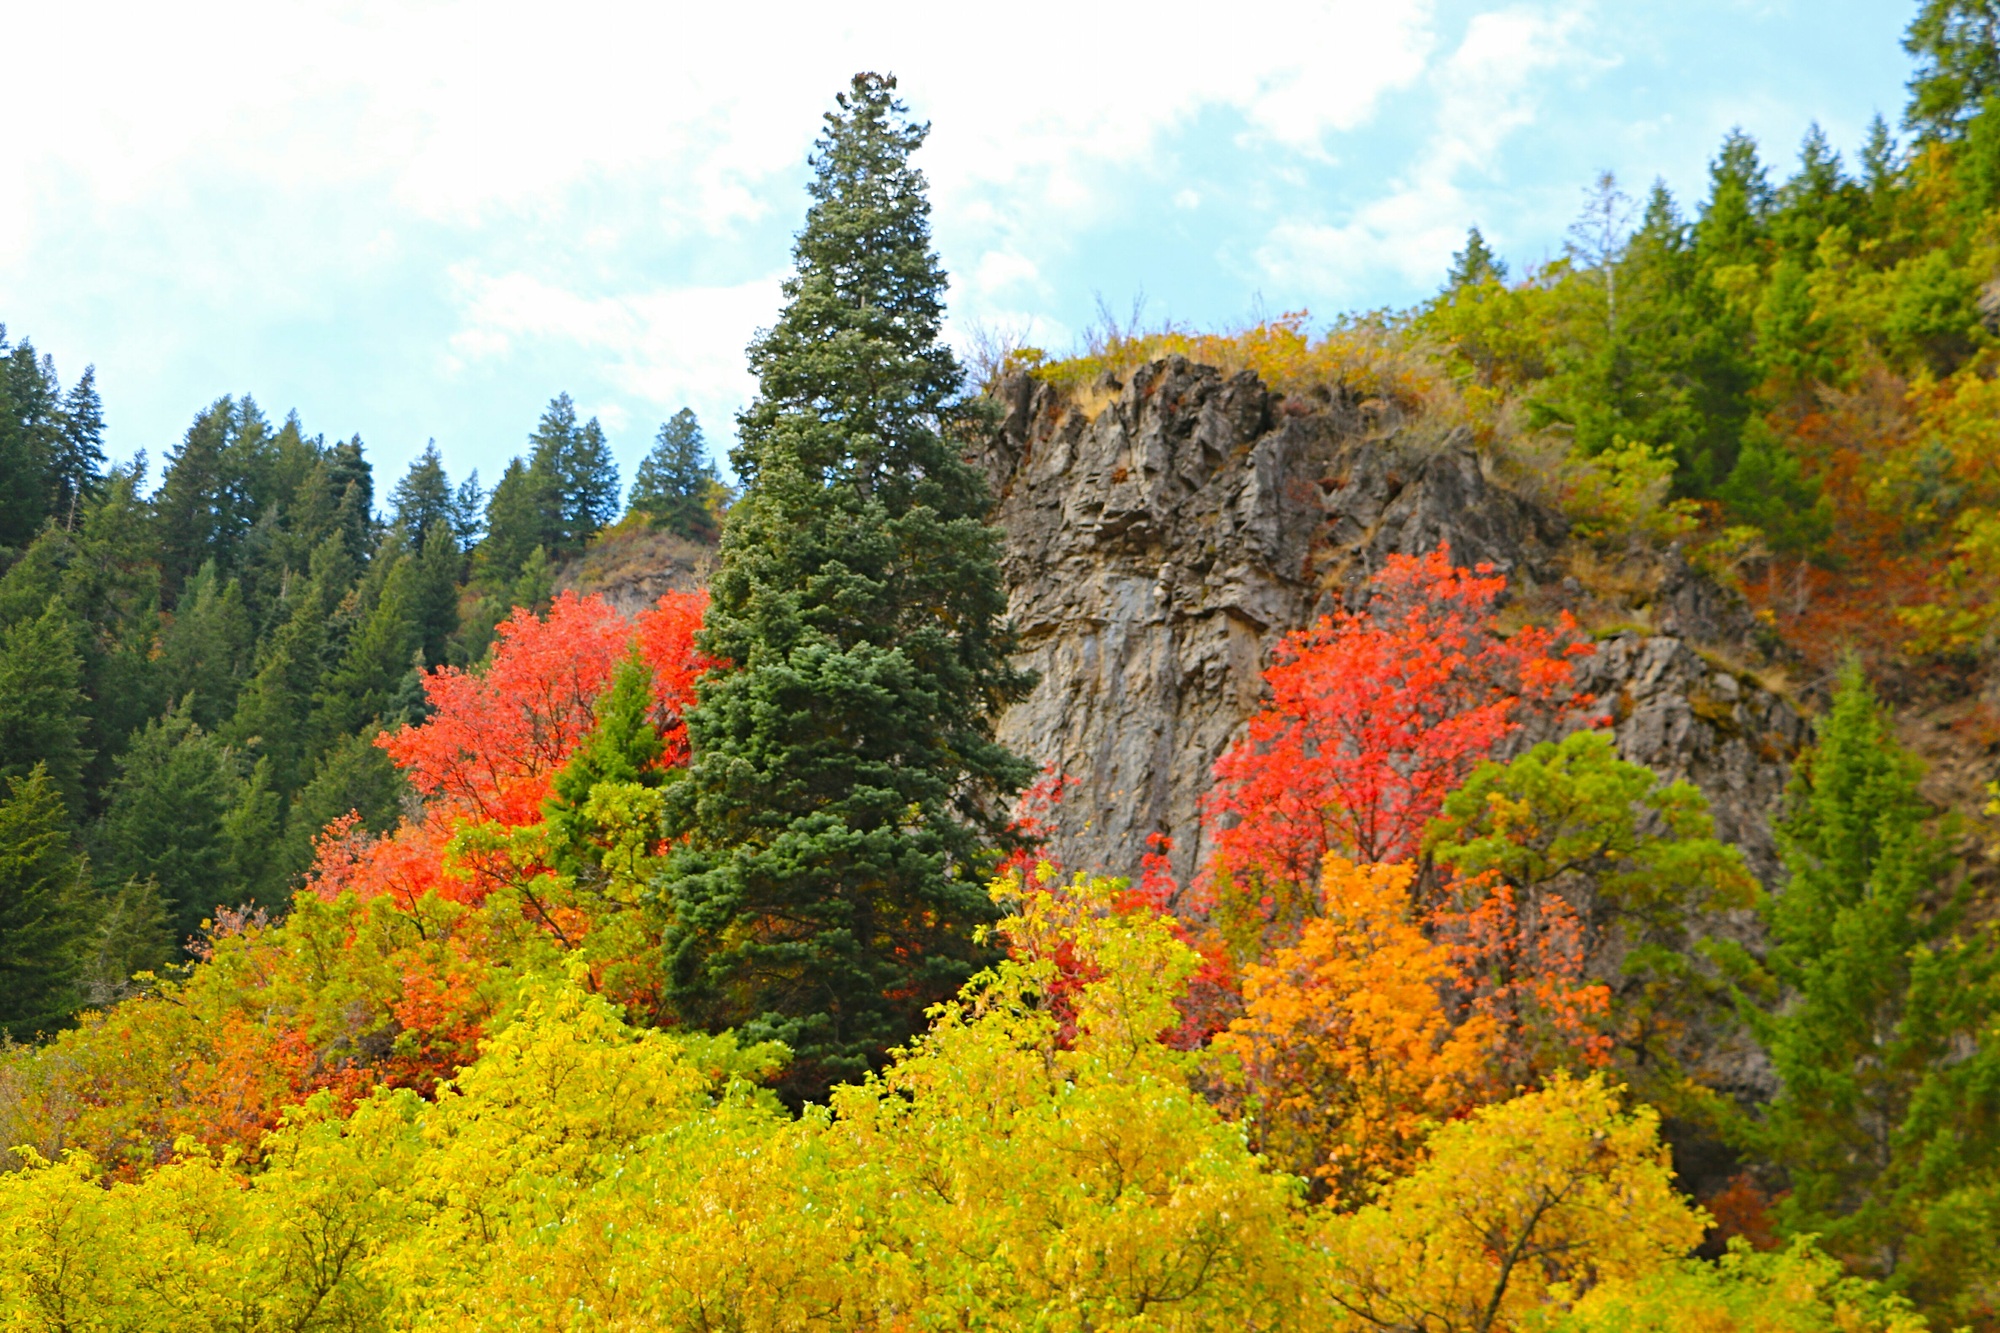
point(1348, 1054)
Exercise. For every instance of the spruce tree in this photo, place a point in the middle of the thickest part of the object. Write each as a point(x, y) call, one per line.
point(846, 791)
point(1956, 44)
point(423, 498)
point(675, 480)
point(42, 705)
point(1475, 265)
point(205, 650)
point(30, 439)
point(176, 784)
point(78, 466)
point(578, 487)
point(1881, 1022)
point(41, 912)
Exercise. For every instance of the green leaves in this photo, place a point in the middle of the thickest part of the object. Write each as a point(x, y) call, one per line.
point(845, 788)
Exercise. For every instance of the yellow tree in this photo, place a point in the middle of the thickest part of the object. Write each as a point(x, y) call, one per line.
point(1520, 1209)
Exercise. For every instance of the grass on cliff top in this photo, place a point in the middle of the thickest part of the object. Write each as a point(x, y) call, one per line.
point(1367, 358)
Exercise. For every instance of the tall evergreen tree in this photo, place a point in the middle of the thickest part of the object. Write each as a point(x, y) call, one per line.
point(434, 593)
point(41, 913)
point(30, 439)
point(274, 715)
point(1956, 44)
point(423, 498)
point(78, 466)
point(514, 525)
point(1882, 1035)
point(676, 479)
point(206, 649)
point(1734, 218)
point(42, 706)
point(846, 790)
point(175, 785)
point(1475, 264)
point(578, 479)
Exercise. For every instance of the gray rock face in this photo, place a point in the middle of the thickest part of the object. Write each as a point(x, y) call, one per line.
point(1156, 550)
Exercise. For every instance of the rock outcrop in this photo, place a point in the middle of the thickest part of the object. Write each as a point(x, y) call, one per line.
point(1158, 546)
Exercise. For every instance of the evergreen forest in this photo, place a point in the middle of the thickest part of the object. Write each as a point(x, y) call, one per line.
point(398, 932)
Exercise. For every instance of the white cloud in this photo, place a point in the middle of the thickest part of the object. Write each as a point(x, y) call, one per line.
point(1489, 89)
point(666, 347)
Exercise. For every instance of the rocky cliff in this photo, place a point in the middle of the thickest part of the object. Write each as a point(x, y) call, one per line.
point(1162, 532)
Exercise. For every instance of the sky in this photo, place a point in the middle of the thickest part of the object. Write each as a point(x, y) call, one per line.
point(421, 220)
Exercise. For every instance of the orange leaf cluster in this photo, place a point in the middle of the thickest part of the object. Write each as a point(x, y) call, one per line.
point(1348, 1054)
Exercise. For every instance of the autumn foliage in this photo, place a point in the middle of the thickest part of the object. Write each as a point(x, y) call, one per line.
point(400, 949)
point(1349, 1055)
point(1374, 716)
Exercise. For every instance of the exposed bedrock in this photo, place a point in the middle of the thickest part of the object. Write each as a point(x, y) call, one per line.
point(1163, 532)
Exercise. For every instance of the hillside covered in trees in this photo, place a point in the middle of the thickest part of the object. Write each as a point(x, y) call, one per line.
point(391, 937)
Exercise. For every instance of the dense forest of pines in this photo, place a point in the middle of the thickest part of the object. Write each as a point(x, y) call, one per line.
point(194, 678)
point(391, 941)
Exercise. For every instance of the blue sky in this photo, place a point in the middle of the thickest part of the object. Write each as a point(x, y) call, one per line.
point(420, 220)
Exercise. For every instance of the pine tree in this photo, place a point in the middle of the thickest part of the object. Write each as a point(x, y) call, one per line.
point(253, 833)
point(434, 593)
point(675, 481)
point(624, 747)
point(41, 913)
point(274, 713)
point(30, 439)
point(206, 649)
point(1735, 216)
point(1956, 44)
point(514, 525)
point(175, 785)
point(361, 687)
point(353, 776)
point(423, 498)
point(202, 505)
point(78, 466)
point(132, 935)
point(1881, 1112)
point(42, 706)
point(845, 788)
point(579, 480)
point(1475, 265)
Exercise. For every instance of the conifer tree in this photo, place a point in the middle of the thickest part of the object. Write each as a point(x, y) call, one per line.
point(513, 525)
point(274, 714)
point(434, 593)
point(78, 466)
point(676, 479)
point(42, 707)
point(579, 480)
point(353, 776)
point(624, 747)
point(1882, 1031)
point(41, 913)
point(845, 787)
point(1475, 264)
point(361, 687)
point(175, 786)
point(1734, 217)
point(1956, 44)
point(423, 498)
point(205, 650)
point(30, 438)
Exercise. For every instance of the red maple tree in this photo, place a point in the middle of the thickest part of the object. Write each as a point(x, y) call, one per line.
point(1374, 717)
